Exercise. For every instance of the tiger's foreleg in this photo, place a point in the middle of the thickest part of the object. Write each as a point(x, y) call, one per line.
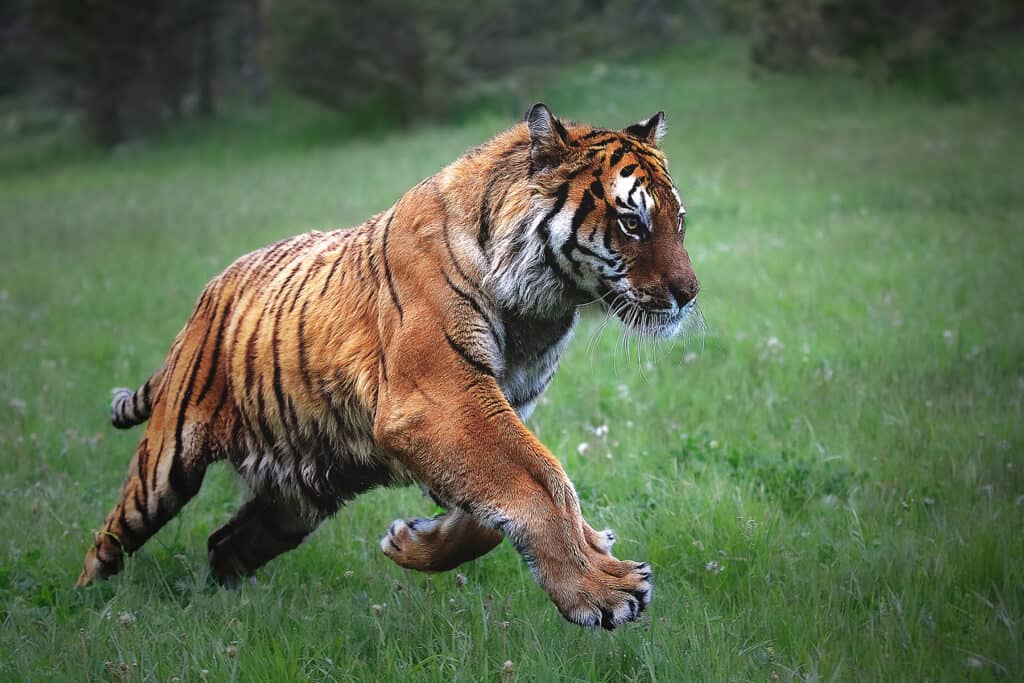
point(484, 460)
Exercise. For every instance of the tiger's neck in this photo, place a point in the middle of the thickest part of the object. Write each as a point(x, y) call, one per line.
point(495, 221)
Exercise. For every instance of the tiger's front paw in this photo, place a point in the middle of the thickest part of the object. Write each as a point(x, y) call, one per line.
point(614, 593)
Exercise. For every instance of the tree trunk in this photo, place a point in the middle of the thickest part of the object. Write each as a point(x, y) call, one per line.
point(207, 66)
point(252, 39)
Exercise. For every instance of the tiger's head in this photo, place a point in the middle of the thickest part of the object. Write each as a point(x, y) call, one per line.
point(608, 221)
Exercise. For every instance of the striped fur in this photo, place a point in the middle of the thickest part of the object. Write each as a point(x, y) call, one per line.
point(410, 349)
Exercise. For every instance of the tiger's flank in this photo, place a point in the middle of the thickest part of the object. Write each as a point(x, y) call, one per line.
point(410, 350)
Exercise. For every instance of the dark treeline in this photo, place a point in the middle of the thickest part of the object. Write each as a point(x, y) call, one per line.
point(133, 68)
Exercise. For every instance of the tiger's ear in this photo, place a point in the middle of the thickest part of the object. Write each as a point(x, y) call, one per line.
point(649, 132)
point(548, 137)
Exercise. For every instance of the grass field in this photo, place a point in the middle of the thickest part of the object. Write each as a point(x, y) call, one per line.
point(828, 482)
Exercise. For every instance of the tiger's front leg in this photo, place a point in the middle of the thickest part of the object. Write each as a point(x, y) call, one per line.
point(447, 420)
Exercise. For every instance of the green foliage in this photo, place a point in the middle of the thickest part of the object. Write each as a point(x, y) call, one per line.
point(931, 44)
point(829, 484)
point(406, 60)
point(123, 64)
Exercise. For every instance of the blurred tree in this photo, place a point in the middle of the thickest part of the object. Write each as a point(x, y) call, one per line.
point(14, 69)
point(127, 66)
point(405, 58)
point(875, 36)
point(250, 33)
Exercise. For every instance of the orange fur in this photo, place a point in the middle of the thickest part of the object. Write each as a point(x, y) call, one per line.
point(408, 350)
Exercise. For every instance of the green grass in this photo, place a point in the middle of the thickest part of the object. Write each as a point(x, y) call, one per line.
point(828, 483)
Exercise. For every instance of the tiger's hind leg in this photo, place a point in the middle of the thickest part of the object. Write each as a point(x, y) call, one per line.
point(454, 538)
point(159, 483)
point(260, 531)
point(438, 544)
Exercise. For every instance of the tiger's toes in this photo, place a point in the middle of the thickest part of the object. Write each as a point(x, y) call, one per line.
point(403, 543)
point(609, 600)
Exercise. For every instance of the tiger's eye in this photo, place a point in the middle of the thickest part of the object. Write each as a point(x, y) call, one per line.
point(632, 223)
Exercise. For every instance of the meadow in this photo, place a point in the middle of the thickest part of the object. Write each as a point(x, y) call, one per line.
point(827, 480)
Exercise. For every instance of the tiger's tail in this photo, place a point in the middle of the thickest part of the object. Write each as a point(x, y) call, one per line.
point(129, 408)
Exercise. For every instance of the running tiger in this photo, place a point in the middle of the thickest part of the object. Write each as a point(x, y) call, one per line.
point(410, 350)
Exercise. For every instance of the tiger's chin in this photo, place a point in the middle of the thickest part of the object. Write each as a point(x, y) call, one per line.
point(658, 323)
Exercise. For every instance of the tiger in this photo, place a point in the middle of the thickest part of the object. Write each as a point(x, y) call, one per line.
point(410, 350)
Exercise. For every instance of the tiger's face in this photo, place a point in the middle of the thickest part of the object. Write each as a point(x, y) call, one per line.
point(617, 225)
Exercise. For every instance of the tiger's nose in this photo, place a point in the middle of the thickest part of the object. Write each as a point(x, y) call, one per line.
point(683, 291)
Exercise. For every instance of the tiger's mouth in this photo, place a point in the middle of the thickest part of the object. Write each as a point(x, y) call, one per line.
point(655, 321)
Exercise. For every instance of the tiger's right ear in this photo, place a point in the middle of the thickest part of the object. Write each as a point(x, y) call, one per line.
point(548, 137)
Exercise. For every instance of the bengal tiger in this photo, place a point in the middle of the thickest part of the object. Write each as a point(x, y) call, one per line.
point(411, 349)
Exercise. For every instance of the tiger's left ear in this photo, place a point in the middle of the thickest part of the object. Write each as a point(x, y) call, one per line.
point(649, 132)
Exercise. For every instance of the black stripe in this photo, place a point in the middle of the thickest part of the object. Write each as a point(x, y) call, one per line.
point(617, 155)
point(562, 132)
point(344, 238)
point(184, 482)
point(495, 412)
point(485, 213)
point(141, 467)
point(610, 220)
point(629, 195)
point(203, 297)
point(275, 345)
point(387, 268)
point(131, 539)
point(250, 356)
point(216, 350)
point(330, 274)
point(222, 400)
point(261, 420)
point(476, 307)
point(136, 408)
point(183, 406)
point(473, 362)
point(627, 170)
point(563, 277)
point(586, 205)
point(451, 252)
point(177, 401)
point(142, 507)
point(263, 269)
point(560, 198)
point(307, 379)
point(298, 291)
